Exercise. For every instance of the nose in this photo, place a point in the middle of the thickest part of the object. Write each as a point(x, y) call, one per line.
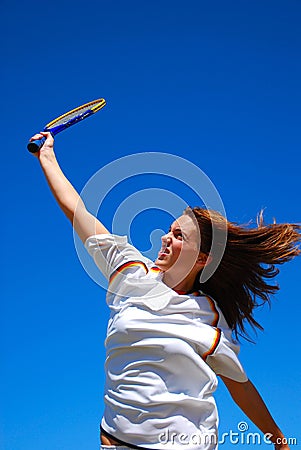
point(166, 239)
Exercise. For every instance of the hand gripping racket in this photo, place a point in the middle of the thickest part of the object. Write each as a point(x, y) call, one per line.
point(67, 120)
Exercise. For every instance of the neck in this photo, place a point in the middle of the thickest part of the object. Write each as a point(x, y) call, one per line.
point(184, 285)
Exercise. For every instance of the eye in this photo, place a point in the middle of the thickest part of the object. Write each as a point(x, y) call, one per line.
point(178, 234)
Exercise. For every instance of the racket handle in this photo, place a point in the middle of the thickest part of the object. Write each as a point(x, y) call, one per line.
point(34, 146)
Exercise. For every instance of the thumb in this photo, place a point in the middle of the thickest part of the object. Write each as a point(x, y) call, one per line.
point(43, 134)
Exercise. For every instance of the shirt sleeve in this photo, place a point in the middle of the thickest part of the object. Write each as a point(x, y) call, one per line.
point(224, 360)
point(110, 252)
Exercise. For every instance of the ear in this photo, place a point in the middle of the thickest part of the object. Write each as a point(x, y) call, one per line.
point(203, 259)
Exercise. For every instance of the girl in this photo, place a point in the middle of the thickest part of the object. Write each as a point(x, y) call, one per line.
point(170, 333)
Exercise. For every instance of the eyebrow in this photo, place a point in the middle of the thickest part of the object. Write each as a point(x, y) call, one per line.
point(179, 229)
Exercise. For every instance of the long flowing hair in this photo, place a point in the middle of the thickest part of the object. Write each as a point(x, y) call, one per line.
point(241, 281)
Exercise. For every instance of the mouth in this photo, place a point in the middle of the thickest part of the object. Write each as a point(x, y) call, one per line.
point(164, 251)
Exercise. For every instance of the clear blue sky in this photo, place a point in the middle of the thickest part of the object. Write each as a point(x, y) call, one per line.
point(216, 83)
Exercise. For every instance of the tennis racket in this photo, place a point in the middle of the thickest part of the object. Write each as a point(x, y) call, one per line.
point(68, 119)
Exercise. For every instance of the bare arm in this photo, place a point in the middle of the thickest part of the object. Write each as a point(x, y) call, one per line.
point(250, 402)
point(84, 223)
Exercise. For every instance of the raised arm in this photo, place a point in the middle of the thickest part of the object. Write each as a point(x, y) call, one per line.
point(84, 223)
point(250, 402)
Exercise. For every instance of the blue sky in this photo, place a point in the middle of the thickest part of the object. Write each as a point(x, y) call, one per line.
point(216, 83)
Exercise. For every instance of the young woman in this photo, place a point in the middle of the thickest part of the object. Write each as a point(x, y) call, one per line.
point(169, 333)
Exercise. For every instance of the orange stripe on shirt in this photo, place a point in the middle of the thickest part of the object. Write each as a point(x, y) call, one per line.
point(214, 344)
point(214, 310)
point(155, 269)
point(194, 293)
point(127, 265)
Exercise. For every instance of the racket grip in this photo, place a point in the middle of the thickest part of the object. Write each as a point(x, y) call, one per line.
point(34, 146)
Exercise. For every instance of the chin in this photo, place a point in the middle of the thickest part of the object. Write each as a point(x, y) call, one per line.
point(159, 264)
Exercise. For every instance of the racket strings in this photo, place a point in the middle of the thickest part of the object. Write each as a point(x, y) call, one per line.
point(71, 115)
point(80, 111)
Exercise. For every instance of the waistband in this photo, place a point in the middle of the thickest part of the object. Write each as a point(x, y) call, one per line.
point(115, 447)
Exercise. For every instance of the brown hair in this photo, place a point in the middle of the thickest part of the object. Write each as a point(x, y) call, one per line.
point(248, 262)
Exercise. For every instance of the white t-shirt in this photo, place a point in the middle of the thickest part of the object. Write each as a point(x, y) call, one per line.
point(163, 351)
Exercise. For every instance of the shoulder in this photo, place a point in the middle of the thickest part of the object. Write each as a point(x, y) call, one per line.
point(113, 253)
point(212, 314)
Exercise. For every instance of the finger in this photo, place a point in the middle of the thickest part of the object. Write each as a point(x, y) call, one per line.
point(48, 136)
point(41, 135)
point(36, 137)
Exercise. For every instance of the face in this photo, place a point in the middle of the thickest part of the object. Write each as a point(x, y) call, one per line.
point(180, 247)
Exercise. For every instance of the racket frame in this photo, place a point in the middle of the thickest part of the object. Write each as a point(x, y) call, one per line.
point(95, 105)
